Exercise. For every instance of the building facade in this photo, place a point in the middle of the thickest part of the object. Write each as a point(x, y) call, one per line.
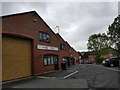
point(66, 52)
point(30, 47)
point(87, 57)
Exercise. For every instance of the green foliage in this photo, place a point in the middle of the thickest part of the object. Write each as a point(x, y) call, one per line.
point(97, 43)
point(99, 59)
point(114, 34)
point(101, 44)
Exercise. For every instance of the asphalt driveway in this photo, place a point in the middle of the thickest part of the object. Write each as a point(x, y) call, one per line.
point(87, 76)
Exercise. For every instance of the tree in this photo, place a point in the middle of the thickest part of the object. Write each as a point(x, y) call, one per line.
point(97, 42)
point(114, 33)
point(99, 59)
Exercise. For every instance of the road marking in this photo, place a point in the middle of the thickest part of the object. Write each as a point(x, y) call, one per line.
point(70, 74)
point(108, 68)
point(44, 77)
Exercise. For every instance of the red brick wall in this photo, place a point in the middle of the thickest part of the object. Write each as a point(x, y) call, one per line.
point(24, 24)
point(62, 52)
point(75, 55)
point(91, 58)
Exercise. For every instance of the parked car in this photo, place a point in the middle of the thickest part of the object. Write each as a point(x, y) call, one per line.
point(82, 62)
point(112, 62)
point(103, 62)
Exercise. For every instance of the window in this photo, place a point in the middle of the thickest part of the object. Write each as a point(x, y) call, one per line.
point(45, 61)
point(55, 60)
point(47, 38)
point(50, 59)
point(62, 46)
point(44, 37)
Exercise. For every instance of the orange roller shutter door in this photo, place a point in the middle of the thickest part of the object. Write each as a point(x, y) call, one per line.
point(16, 58)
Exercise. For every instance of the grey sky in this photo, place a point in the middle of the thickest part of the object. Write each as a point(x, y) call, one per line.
point(77, 21)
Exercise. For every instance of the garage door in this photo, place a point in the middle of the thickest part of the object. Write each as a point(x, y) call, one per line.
point(16, 58)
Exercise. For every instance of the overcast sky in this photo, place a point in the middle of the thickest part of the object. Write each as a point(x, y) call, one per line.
point(77, 21)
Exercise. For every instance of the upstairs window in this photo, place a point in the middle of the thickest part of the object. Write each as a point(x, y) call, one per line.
point(44, 37)
point(62, 46)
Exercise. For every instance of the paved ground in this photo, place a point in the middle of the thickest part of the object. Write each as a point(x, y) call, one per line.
point(51, 83)
point(98, 77)
point(79, 76)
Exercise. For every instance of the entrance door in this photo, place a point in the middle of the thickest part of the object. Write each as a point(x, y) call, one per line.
point(67, 60)
point(72, 61)
point(56, 64)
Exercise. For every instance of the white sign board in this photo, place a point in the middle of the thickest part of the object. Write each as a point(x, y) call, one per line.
point(43, 47)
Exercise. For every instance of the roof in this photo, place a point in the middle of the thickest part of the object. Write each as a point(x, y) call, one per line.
point(68, 44)
point(18, 14)
point(58, 35)
point(34, 12)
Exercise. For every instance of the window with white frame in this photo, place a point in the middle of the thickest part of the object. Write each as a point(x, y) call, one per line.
point(62, 46)
point(44, 37)
point(50, 59)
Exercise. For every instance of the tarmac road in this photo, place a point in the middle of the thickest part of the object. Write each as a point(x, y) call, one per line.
point(97, 76)
point(87, 76)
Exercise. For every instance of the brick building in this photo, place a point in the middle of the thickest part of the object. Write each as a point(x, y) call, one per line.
point(74, 57)
point(64, 50)
point(87, 57)
point(30, 47)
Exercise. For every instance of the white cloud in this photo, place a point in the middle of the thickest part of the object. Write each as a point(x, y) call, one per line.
point(77, 21)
